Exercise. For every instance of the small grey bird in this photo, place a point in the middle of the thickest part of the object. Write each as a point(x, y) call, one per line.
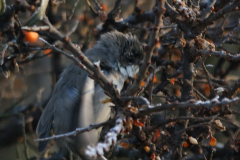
point(76, 99)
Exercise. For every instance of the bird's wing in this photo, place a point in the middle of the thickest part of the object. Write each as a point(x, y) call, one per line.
point(62, 105)
point(85, 116)
point(44, 125)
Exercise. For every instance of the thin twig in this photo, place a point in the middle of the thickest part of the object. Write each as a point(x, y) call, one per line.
point(72, 12)
point(26, 152)
point(91, 8)
point(213, 94)
point(149, 78)
point(183, 105)
point(185, 129)
point(221, 54)
point(79, 130)
point(3, 53)
point(35, 28)
point(181, 118)
point(198, 93)
point(153, 38)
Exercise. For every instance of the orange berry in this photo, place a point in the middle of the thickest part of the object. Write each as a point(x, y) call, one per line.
point(154, 79)
point(31, 37)
point(153, 156)
point(213, 141)
point(104, 7)
point(47, 51)
point(157, 134)
point(146, 148)
point(207, 90)
point(125, 145)
point(142, 84)
point(185, 144)
point(136, 123)
point(172, 80)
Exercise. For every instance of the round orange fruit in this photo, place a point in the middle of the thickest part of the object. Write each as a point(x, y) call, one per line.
point(30, 36)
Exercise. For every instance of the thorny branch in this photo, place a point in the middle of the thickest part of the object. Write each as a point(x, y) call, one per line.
point(161, 107)
point(153, 39)
point(79, 130)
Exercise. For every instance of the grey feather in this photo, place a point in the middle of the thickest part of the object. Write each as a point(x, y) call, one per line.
point(76, 99)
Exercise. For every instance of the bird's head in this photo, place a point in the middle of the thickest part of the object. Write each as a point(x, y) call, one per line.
point(118, 51)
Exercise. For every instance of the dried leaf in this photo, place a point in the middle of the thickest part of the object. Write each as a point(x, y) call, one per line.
point(172, 80)
point(218, 125)
point(107, 100)
point(153, 156)
point(47, 51)
point(180, 43)
point(185, 144)
point(125, 145)
point(128, 124)
point(137, 123)
point(207, 90)
point(154, 79)
point(213, 141)
point(170, 124)
point(193, 140)
point(157, 134)
point(203, 44)
point(177, 92)
point(134, 110)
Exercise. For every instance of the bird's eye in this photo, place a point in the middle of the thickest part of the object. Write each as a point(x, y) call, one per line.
point(133, 52)
point(131, 60)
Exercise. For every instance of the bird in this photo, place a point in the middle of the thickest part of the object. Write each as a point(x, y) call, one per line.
point(76, 98)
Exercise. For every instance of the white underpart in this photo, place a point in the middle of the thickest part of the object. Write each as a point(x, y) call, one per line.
point(97, 63)
point(128, 71)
